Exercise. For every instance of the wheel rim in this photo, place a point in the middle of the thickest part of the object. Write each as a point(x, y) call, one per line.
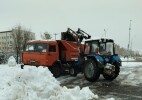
point(89, 70)
point(111, 73)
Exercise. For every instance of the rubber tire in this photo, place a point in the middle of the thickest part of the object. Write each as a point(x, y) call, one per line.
point(110, 77)
point(96, 72)
point(56, 70)
point(74, 69)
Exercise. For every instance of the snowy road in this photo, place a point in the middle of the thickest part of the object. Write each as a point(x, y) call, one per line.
point(127, 86)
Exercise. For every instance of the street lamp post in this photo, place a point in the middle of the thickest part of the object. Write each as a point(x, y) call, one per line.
point(105, 32)
point(129, 38)
point(132, 42)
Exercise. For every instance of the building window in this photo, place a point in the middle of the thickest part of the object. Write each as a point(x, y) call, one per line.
point(10, 42)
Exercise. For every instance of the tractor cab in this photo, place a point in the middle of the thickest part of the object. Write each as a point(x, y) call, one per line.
point(100, 47)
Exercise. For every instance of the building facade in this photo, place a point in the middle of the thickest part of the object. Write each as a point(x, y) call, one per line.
point(7, 41)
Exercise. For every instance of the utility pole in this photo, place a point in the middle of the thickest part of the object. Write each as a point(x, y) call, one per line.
point(55, 35)
point(105, 31)
point(132, 42)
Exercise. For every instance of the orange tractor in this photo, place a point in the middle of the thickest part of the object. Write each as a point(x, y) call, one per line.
point(59, 55)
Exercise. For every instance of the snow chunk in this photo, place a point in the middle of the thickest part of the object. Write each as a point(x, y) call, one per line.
point(33, 83)
point(11, 61)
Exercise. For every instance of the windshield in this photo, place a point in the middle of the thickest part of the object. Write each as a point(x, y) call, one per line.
point(106, 48)
point(36, 48)
point(94, 48)
point(91, 47)
point(109, 48)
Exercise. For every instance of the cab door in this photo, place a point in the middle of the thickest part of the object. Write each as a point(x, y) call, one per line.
point(41, 54)
point(53, 54)
point(35, 54)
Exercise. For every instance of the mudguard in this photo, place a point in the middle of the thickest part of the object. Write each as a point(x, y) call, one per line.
point(96, 57)
point(116, 59)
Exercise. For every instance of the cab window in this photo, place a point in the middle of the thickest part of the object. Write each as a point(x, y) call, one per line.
point(87, 47)
point(36, 48)
point(30, 48)
point(52, 48)
point(102, 47)
point(41, 48)
point(109, 48)
point(94, 47)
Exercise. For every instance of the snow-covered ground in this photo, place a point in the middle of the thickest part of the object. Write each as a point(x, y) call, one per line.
point(131, 73)
point(128, 85)
point(33, 83)
point(127, 59)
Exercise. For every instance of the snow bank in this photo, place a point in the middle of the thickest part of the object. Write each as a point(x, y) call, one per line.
point(33, 83)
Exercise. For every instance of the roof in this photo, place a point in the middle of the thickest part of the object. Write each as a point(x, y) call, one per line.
point(5, 31)
point(40, 41)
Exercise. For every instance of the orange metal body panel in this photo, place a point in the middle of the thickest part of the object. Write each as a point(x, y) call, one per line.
point(69, 50)
point(65, 50)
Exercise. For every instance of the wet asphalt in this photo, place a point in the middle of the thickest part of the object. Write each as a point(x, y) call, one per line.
point(105, 89)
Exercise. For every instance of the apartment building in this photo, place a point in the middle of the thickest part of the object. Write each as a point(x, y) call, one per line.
point(6, 41)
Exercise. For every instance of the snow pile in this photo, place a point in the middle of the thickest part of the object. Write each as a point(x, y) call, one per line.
point(131, 73)
point(11, 61)
point(33, 83)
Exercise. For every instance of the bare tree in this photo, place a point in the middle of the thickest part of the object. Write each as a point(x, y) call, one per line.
point(46, 36)
point(27, 35)
point(20, 37)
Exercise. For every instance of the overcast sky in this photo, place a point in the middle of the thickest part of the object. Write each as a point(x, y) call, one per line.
point(93, 16)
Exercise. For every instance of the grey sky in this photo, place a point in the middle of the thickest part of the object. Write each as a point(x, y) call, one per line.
point(93, 16)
